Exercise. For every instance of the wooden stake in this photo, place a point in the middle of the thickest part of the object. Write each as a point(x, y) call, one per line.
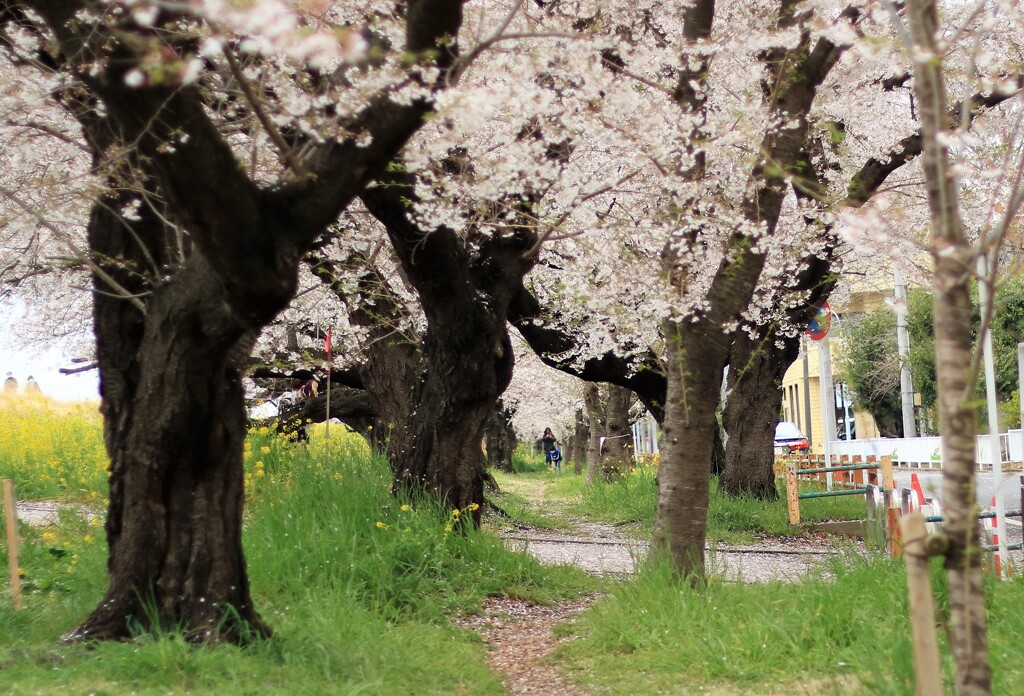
point(12, 542)
point(895, 537)
point(927, 671)
point(888, 483)
point(793, 494)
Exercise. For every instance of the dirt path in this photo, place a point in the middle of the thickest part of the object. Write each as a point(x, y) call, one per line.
point(46, 513)
point(521, 635)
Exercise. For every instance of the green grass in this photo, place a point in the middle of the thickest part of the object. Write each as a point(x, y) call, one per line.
point(844, 630)
point(524, 461)
point(520, 509)
point(630, 500)
point(358, 586)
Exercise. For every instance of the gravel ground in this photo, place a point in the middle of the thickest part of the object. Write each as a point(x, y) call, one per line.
point(44, 513)
point(603, 550)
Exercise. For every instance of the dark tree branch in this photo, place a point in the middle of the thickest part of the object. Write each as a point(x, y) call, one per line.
point(643, 374)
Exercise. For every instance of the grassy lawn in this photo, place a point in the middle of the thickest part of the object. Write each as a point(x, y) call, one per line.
point(843, 630)
point(630, 499)
point(357, 585)
point(359, 588)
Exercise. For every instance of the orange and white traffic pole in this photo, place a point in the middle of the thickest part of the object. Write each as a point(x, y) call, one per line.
point(995, 541)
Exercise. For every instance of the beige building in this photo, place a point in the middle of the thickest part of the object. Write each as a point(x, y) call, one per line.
point(801, 385)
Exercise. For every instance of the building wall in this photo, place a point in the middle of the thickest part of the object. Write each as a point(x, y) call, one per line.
point(794, 386)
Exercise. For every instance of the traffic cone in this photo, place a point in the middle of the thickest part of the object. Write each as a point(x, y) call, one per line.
point(915, 485)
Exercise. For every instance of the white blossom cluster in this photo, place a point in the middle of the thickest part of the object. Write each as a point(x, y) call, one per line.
point(561, 118)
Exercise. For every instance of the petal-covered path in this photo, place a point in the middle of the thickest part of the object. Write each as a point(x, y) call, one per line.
point(521, 635)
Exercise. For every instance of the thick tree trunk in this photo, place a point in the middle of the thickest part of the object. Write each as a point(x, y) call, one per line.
point(696, 349)
point(756, 367)
point(174, 417)
point(390, 373)
point(393, 361)
point(595, 417)
point(695, 362)
point(618, 444)
point(174, 423)
point(953, 257)
point(438, 447)
point(467, 353)
point(352, 407)
point(500, 438)
point(580, 441)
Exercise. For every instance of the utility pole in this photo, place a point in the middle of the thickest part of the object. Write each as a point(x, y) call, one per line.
point(984, 277)
point(1020, 390)
point(807, 392)
point(828, 404)
point(903, 343)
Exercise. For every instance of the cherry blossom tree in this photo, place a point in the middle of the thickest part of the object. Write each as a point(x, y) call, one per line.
point(669, 175)
point(198, 273)
point(938, 47)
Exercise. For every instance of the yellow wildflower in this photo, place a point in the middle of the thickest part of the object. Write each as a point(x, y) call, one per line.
point(406, 508)
point(381, 525)
point(265, 450)
point(472, 507)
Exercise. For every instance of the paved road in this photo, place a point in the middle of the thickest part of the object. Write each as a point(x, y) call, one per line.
point(931, 484)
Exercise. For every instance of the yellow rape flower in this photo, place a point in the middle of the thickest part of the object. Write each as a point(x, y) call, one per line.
point(265, 450)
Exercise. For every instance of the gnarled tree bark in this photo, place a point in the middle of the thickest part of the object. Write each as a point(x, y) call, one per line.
point(467, 354)
point(171, 348)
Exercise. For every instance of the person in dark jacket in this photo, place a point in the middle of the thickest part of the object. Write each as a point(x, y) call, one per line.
point(549, 444)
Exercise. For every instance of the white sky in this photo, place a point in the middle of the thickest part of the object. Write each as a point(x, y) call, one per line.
point(44, 368)
point(43, 363)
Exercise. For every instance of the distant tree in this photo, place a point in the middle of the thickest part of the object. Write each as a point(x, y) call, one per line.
point(870, 362)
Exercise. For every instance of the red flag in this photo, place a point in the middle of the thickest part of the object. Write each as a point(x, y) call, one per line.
point(327, 344)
